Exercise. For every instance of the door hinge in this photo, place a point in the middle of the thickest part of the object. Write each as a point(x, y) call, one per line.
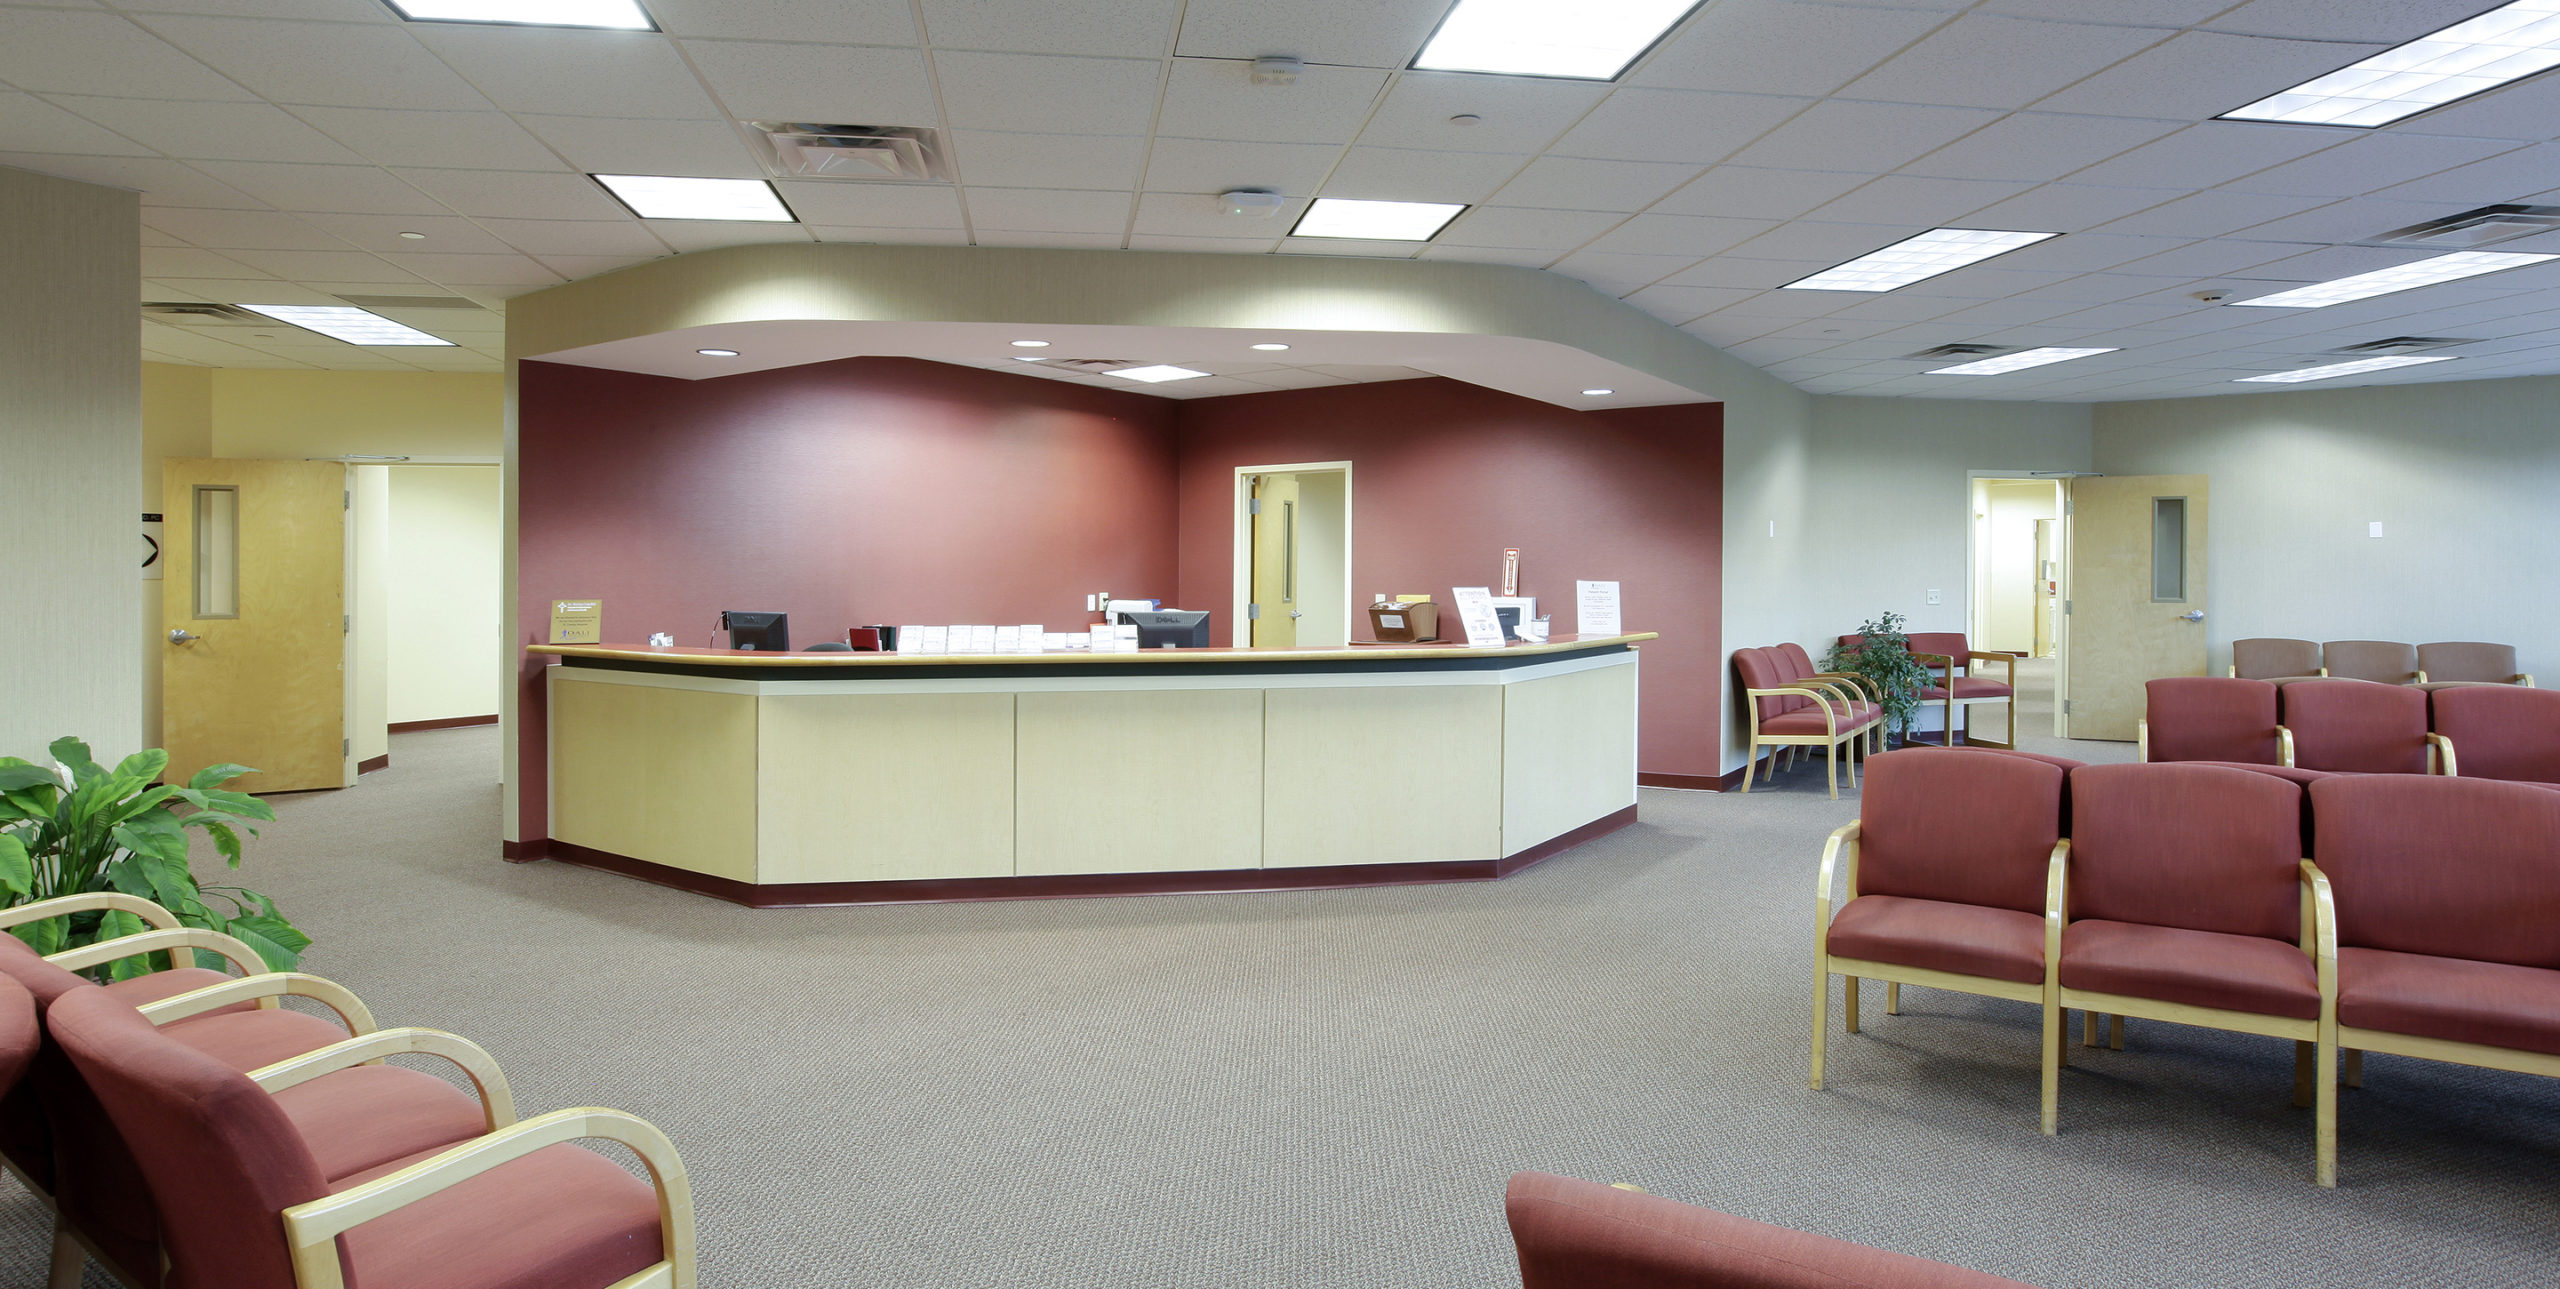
point(2066, 608)
point(2066, 707)
point(346, 747)
point(1253, 613)
point(347, 625)
point(1253, 507)
point(346, 501)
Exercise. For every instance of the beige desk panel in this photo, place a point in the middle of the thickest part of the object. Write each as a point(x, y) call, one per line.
point(1137, 781)
point(1569, 752)
point(665, 775)
point(885, 787)
point(1364, 776)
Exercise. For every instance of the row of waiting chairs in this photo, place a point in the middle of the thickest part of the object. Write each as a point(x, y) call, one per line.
point(188, 1130)
point(2389, 662)
point(2355, 727)
point(1793, 705)
point(2351, 913)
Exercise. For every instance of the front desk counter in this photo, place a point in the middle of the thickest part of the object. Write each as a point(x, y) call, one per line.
point(778, 779)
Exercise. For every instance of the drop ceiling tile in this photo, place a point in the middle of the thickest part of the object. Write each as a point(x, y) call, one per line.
point(1514, 113)
point(1983, 60)
point(2199, 74)
point(1725, 332)
point(1411, 174)
point(1048, 238)
point(1217, 99)
point(1694, 236)
point(2507, 177)
point(1108, 27)
point(1028, 92)
point(1203, 165)
point(1358, 33)
point(503, 194)
point(835, 84)
point(841, 22)
point(1553, 231)
point(1048, 160)
point(1828, 243)
point(1679, 304)
point(320, 266)
point(2150, 13)
point(2388, 22)
point(2212, 214)
point(2069, 208)
point(1990, 280)
point(573, 73)
point(1765, 47)
point(1899, 306)
point(1918, 202)
point(333, 63)
point(187, 262)
point(460, 140)
point(2355, 220)
point(1841, 135)
point(262, 230)
point(2006, 313)
point(80, 52)
point(211, 131)
point(1575, 183)
point(1037, 210)
point(2210, 153)
point(1348, 247)
point(1745, 192)
point(161, 182)
point(252, 291)
point(1833, 329)
point(1293, 378)
point(612, 146)
point(2379, 161)
point(2086, 252)
point(1621, 274)
point(872, 205)
point(546, 238)
point(2039, 146)
point(2331, 262)
point(2523, 111)
point(1675, 125)
point(1516, 257)
point(2212, 258)
point(1763, 275)
point(888, 236)
point(306, 189)
point(712, 235)
point(1206, 245)
point(29, 124)
point(154, 237)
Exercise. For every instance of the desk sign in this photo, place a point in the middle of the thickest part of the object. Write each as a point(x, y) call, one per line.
point(577, 622)
point(1595, 609)
point(1476, 615)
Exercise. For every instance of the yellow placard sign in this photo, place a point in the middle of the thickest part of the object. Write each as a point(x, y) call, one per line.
point(577, 622)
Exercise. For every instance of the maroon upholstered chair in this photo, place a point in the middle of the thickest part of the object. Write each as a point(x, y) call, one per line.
point(2469, 662)
point(2499, 731)
point(2386, 661)
point(2212, 718)
point(2185, 902)
point(1582, 1235)
point(2358, 727)
point(2276, 659)
point(2448, 918)
point(1949, 653)
point(247, 1200)
point(19, 1035)
point(1946, 877)
point(1791, 706)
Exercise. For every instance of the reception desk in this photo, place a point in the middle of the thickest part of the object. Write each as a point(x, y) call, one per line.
point(832, 778)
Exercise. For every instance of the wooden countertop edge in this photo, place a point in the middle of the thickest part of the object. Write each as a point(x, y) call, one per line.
point(734, 658)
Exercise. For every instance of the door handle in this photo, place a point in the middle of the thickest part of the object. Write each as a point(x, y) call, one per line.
point(180, 635)
point(2192, 615)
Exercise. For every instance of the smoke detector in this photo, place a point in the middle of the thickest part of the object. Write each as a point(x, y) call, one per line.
point(1274, 69)
point(2486, 226)
point(876, 153)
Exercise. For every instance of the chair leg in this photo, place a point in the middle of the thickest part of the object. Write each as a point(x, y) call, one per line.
point(2324, 1117)
point(1893, 998)
point(2013, 716)
point(1831, 768)
point(69, 1259)
point(1849, 1007)
point(2355, 1068)
point(2302, 1073)
point(2088, 1029)
point(2115, 1032)
point(2062, 1035)
point(1852, 758)
point(2050, 1061)
point(1821, 1014)
point(1751, 763)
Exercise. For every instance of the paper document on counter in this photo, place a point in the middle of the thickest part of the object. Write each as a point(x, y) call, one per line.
point(1595, 609)
point(911, 639)
point(1476, 614)
point(931, 640)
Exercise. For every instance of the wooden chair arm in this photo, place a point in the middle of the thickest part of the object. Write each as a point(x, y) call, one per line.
point(1946, 662)
point(2057, 895)
point(1841, 694)
point(313, 1229)
point(2284, 747)
point(2421, 674)
point(262, 989)
point(1865, 685)
point(2142, 738)
point(2320, 924)
point(2440, 757)
point(1840, 864)
point(151, 914)
point(185, 937)
point(2525, 679)
point(365, 1049)
point(1829, 718)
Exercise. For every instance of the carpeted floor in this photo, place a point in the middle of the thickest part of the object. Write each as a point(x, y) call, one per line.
point(1328, 1089)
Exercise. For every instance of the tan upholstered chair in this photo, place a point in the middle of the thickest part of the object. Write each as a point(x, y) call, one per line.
point(2276, 659)
point(2386, 662)
point(2470, 662)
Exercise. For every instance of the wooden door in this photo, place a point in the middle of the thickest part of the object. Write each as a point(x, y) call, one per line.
point(2133, 602)
point(1275, 561)
point(256, 582)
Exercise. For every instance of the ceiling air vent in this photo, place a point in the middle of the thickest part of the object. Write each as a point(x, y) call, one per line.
point(2486, 226)
point(378, 303)
point(1958, 351)
point(2399, 345)
point(186, 313)
point(876, 153)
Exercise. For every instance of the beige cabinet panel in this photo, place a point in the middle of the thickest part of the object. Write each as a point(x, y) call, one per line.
point(665, 775)
point(1135, 781)
point(1382, 775)
point(885, 787)
point(1569, 752)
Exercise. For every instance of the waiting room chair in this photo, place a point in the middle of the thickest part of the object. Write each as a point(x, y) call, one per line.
point(2499, 731)
point(1792, 708)
point(2469, 662)
point(2384, 661)
point(1950, 658)
point(2212, 718)
point(2276, 659)
point(2358, 727)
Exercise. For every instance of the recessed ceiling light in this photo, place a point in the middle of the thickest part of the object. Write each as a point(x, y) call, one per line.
point(1592, 40)
point(1157, 374)
point(2334, 370)
point(1029, 358)
point(2404, 277)
point(717, 353)
point(415, 237)
point(1376, 221)
point(669, 197)
point(1270, 347)
point(348, 323)
point(1031, 344)
point(2018, 361)
point(619, 15)
point(1916, 259)
point(2505, 44)
point(1596, 393)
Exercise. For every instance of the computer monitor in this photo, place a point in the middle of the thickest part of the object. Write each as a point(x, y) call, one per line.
point(761, 632)
point(1170, 628)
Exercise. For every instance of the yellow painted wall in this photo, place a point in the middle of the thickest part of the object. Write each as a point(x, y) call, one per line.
point(443, 581)
point(291, 414)
point(177, 421)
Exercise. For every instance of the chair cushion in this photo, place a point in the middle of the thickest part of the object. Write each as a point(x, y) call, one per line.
point(2387, 661)
point(1966, 939)
point(2244, 973)
point(365, 1117)
point(1968, 688)
point(2457, 868)
point(2357, 727)
point(561, 1216)
point(2211, 718)
point(247, 1041)
point(2501, 731)
point(2274, 658)
point(2491, 1003)
point(2195, 846)
point(1962, 826)
point(169, 984)
point(1810, 721)
point(2468, 662)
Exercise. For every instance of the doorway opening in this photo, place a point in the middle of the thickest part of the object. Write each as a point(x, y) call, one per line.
point(2013, 600)
point(1293, 556)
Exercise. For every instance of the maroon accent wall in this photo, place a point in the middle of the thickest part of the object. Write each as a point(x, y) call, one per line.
point(843, 493)
point(1445, 475)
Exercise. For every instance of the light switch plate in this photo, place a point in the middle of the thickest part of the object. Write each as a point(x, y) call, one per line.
point(1934, 596)
point(2373, 529)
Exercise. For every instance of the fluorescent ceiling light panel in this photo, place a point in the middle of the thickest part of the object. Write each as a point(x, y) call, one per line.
point(2018, 361)
point(619, 15)
point(2505, 44)
point(1917, 259)
point(1592, 40)
point(1375, 221)
point(2403, 277)
point(1157, 374)
point(668, 197)
point(348, 323)
point(2334, 370)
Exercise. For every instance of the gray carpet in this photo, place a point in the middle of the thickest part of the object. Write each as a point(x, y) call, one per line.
point(1329, 1088)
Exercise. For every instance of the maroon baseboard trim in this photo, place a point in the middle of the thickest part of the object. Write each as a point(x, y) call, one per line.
point(373, 763)
point(793, 895)
point(1692, 782)
point(526, 851)
point(444, 723)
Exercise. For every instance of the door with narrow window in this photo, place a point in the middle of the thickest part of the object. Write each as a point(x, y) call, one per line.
point(1275, 562)
point(253, 668)
point(2133, 600)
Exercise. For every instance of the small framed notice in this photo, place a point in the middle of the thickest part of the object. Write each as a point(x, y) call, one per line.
point(577, 622)
point(1595, 609)
point(1476, 614)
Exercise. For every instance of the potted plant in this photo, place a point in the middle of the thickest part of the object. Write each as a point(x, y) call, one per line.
point(1883, 655)
point(73, 827)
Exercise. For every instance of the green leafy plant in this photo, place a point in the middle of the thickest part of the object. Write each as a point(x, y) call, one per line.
point(1883, 655)
point(74, 827)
